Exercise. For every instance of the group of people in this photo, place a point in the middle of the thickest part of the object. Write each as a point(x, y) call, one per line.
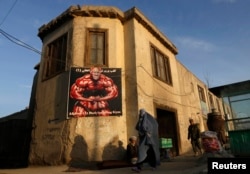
point(145, 147)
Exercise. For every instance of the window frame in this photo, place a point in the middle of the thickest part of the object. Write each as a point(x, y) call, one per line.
point(55, 57)
point(87, 59)
point(201, 93)
point(160, 65)
point(218, 105)
point(211, 100)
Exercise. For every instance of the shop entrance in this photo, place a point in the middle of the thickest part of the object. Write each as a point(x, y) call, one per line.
point(167, 128)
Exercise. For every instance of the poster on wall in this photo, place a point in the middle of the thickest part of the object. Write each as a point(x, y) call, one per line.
point(94, 91)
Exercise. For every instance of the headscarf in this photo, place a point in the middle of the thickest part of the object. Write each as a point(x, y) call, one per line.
point(147, 128)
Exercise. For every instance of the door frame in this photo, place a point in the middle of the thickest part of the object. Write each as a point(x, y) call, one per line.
point(172, 128)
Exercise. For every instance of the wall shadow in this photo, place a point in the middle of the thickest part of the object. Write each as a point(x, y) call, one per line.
point(79, 153)
point(114, 155)
point(114, 150)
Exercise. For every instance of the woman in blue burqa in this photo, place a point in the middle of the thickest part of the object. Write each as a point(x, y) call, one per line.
point(147, 128)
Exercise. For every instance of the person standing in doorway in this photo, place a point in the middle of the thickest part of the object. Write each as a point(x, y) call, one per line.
point(194, 135)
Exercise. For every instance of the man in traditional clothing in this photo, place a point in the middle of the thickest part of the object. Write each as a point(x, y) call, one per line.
point(194, 135)
point(147, 128)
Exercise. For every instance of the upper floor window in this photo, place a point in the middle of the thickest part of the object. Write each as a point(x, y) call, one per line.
point(96, 47)
point(211, 101)
point(218, 105)
point(161, 66)
point(55, 57)
point(201, 94)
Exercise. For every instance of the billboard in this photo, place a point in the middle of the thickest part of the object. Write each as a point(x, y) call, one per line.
point(94, 91)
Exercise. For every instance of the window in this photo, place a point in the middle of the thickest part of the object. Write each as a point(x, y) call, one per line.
point(161, 66)
point(55, 57)
point(96, 52)
point(211, 101)
point(218, 105)
point(201, 94)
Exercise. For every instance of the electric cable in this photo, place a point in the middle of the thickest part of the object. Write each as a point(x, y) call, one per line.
point(19, 42)
point(5, 17)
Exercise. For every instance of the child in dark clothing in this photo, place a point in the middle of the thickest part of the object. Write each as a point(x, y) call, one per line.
point(132, 150)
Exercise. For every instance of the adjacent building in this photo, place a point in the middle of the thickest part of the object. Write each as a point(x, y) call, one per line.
point(237, 97)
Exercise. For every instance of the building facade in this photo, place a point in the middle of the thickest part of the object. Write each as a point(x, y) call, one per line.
point(144, 73)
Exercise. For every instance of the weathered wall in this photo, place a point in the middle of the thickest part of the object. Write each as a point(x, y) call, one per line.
point(153, 93)
point(49, 135)
point(99, 132)
point(181, 97)
point(190, 103)
point(130, 77)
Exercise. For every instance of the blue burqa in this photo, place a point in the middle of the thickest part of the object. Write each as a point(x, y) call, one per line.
point(147, 128)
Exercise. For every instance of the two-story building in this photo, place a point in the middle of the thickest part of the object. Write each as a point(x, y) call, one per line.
point(141, 63)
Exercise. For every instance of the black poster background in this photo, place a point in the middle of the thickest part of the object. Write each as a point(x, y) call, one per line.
point(115, 105)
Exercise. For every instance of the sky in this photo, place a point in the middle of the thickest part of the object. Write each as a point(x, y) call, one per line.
point(212, 37)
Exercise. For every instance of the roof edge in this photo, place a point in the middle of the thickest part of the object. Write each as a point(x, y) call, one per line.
point(106, 12)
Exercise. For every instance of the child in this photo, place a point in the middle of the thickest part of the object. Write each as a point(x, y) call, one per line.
point(132, 150)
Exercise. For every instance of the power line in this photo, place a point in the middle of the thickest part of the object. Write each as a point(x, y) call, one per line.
point(5, 17)
point(12, 38)
point(19, 42)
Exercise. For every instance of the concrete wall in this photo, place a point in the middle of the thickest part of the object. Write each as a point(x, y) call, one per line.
point(102, 141)
point(153, 93)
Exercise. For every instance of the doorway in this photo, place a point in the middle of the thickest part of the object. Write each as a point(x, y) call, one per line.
point(168, 128)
